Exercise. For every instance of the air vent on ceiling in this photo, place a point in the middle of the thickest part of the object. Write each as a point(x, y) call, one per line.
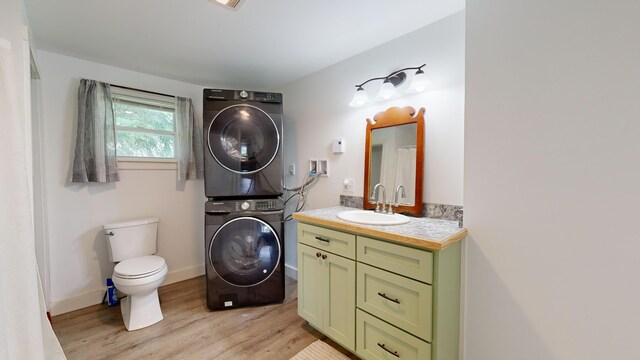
point(227, 3)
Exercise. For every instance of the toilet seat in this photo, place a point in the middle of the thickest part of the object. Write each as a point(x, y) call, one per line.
point(140, 267)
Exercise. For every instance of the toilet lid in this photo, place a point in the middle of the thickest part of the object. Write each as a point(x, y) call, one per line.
point(139, 267)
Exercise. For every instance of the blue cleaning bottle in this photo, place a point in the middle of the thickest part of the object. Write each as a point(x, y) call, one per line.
point(112, 297)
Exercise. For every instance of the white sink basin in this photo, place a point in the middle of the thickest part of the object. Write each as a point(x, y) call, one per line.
point(368, 217)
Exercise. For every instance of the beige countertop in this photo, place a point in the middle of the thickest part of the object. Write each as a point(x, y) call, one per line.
point(420, 232)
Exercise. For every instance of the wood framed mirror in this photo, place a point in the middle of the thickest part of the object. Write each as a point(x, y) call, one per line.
point(394, 157)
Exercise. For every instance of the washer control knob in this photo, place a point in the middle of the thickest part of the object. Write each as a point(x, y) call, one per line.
point(245, 206)
point(244, 94)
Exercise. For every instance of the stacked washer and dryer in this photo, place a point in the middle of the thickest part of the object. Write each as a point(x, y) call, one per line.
point(244, 212)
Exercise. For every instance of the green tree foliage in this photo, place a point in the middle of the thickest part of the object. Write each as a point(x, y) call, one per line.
point(141, 143)
point(144, 117)
point(138, 144)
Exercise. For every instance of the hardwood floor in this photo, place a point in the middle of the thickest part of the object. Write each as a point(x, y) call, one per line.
point(190, 331)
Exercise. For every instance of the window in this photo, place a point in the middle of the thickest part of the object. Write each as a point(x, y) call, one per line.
point(145, 126)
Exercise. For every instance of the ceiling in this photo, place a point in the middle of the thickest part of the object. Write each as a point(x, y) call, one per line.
point(263, 44)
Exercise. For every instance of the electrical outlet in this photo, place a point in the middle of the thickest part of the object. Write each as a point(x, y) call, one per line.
point(292, 169)
point(347, 185)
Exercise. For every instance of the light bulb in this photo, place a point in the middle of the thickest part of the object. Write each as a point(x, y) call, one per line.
point(360, 98)
point(419, 83)
point(387, 91)
point(223, 2)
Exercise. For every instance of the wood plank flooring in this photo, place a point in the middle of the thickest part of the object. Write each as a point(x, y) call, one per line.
point(190, 331)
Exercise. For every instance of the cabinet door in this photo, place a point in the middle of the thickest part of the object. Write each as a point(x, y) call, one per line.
point(340, 300)
point(310, 283)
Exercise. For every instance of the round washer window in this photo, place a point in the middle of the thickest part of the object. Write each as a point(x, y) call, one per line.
point(245, 251)
point(243, 139)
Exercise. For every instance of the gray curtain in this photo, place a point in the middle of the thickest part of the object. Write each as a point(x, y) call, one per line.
point(188, 141)
point(95, 154)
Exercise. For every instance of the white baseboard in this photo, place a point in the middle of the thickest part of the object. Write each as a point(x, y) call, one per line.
point(77, 302)
point(184, 274)
point(95, 297)
point(290, 271)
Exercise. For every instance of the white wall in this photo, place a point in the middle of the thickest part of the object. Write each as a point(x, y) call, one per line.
point(76, 212)
point(551, 188)
point(316, 112)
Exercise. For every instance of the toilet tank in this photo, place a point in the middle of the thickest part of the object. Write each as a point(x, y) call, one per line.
point(133, 238)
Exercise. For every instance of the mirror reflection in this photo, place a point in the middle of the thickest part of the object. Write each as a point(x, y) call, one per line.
point(393, 162)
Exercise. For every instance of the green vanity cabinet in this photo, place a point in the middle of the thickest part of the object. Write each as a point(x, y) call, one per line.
point(381, 298)
point(327, 284)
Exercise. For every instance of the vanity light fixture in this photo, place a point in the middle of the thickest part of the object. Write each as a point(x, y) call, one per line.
point(390, 82)
point(232, 4)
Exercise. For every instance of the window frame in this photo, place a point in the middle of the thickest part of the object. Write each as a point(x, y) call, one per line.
point(142, 98)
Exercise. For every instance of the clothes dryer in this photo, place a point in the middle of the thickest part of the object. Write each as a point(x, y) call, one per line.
point(242, 144)
point(244, 247)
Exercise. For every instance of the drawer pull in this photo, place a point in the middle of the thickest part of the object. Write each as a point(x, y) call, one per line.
point(324, 257)
point(322, 239)
point(388, 298)
point(394, 353)
point(317, 254)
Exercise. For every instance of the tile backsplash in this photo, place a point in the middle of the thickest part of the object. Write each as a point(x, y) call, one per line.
point(351, 201)
point(433, 211)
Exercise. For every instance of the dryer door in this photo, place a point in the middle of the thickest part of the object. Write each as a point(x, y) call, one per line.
point(243, 139)
point(245, 251)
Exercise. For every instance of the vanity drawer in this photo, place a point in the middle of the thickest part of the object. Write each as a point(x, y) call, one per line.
point(332, 241)
point(410, 262)
point(377, 340)
point(395, 299)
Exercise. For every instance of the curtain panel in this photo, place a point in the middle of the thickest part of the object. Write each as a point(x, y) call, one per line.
point(188, 141)
point(95, 152)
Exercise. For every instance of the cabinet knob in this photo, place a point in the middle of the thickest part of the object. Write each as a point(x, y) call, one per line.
point(317, 254)
point(324, 257)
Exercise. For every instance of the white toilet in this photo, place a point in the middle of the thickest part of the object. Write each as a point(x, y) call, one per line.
point(138, 273)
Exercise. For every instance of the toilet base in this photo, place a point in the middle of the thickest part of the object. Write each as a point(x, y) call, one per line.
point(141, 310)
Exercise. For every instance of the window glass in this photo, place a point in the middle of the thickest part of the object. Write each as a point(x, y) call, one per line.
point(141, 144)
point(138, 115)
point(145, 125)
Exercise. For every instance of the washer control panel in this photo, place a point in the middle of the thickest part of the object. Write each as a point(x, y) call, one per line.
point(266, 205)
point(267, 97)
point(259, 205)
point(242, 95)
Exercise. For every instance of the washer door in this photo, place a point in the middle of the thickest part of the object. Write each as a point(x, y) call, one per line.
point(245, 251)
point(243, 139)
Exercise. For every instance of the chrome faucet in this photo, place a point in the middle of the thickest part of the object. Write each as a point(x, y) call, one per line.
point(395, 201)
point(376, 197)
